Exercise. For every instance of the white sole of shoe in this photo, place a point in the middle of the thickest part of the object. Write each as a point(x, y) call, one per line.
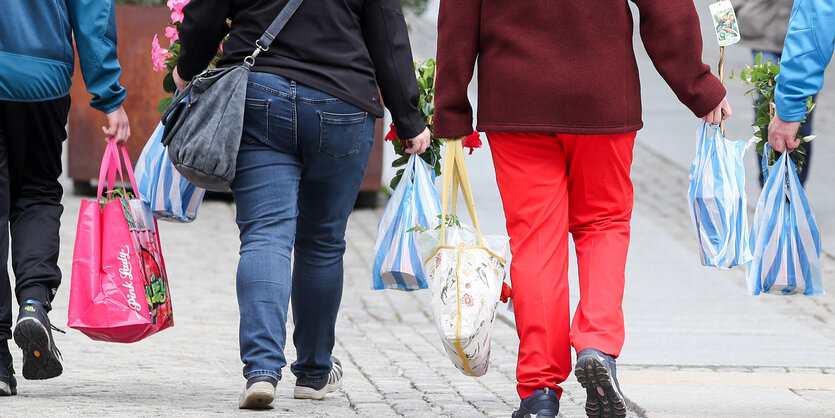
point(259, 396)
point(304, 392)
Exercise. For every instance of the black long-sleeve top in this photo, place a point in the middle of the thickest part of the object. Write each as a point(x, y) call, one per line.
point(345, 48)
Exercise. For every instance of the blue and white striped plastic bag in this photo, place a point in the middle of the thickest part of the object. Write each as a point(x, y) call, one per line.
point(167, 193)
point(717, 199)
point(784, 237)
point(397, 263)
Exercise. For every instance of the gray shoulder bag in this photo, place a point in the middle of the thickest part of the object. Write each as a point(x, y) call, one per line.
point(204, 123)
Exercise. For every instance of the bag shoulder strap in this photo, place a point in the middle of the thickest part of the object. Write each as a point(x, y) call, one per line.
point(269, 35)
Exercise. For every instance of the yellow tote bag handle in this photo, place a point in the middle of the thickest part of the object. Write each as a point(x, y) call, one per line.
point(455, 174)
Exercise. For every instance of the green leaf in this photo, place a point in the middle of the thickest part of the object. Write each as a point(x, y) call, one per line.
point(416, 228)
point(422, 83)
point(395, 181)
point(400, 161)
point(168, 83)
point(163, 104)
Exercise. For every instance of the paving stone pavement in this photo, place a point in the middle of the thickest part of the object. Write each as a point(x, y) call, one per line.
point(394, 362)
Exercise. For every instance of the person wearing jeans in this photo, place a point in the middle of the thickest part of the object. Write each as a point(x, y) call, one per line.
point(311, 106)
point(763, 26)
point(559, 98)
point(38, 41)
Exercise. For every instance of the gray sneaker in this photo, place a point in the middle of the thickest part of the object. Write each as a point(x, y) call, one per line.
point(259, 393)
point(317, 389)
point(596, 373)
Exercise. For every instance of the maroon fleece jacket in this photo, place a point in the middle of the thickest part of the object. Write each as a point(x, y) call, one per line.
point(563, 66)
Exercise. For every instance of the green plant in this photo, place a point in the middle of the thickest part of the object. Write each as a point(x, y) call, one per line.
point(425, 73)
point(116, 194)
point(761, 78)
point(451, 221)
point(416, 6)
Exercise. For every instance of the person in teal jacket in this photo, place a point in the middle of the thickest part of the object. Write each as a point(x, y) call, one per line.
point(36, 67)
point(807, 51)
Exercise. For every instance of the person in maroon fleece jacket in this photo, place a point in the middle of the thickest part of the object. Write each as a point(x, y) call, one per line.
point(559, 98)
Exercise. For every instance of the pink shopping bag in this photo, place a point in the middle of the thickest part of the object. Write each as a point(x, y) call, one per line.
point(119, 289)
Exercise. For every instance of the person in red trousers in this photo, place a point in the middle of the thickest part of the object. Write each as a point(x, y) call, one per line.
point(559, 98)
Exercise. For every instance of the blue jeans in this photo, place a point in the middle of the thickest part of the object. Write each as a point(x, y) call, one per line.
point(805, 127)
point(302, 159)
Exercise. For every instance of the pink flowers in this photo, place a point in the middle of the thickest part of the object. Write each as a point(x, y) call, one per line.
point(171, 34)
point(467, 299)
point(176, 7)
point(159, 55)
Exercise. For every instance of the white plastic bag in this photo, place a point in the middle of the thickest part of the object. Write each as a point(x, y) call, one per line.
point(167, 193)
point(784, 236)
point(465, 270)
point(717, 202)
point(397, 264)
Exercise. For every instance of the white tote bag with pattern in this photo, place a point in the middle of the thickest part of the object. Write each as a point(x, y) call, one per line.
point(465, 271)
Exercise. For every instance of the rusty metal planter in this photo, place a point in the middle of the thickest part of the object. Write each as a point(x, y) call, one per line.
point(137, 26)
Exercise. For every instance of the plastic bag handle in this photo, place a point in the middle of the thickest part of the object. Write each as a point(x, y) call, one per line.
point(107, 174)
point(112, 164)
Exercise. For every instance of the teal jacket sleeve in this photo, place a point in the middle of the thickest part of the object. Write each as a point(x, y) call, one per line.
point(94, 28)
point(806, 53)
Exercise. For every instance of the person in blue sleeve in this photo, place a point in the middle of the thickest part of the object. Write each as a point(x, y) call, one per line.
point(764, 24)
point(36, 68)
point(807, 51)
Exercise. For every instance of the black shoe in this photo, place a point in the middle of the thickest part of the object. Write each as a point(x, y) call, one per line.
point(8, 384)
point(542, 404)
point(596, 372)
point(33, 334)
point(317, 389)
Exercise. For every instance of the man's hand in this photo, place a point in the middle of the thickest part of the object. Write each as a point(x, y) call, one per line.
point(720, 113)
point(118, 126)
point(181, 84)
point(782, 135)
point(420, 143)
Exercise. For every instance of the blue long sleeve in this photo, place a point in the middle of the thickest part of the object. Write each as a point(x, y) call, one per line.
point(806, 53)
point(94, 26)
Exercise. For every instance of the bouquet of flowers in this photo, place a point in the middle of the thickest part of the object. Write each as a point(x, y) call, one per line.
point(761, 78)
point(166, 59)
point(425, 73)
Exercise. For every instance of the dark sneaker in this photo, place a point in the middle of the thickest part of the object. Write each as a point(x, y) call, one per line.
point(542, 404)
point(317, 389)
point(8, 384)
point(596, 372)
point(259, 393)
point(33, 334)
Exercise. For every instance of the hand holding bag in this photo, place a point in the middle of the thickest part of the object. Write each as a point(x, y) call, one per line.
point(204, 123)
point(119, 290)
point(465, 271)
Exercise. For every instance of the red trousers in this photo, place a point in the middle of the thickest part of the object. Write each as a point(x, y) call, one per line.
point(552, 185)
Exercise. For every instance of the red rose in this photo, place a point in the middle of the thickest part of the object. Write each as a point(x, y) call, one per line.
point(472, 141)
point(392, 133)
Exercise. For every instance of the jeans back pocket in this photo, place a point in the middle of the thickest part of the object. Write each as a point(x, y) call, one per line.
point(256, 120)
point(340, 134)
